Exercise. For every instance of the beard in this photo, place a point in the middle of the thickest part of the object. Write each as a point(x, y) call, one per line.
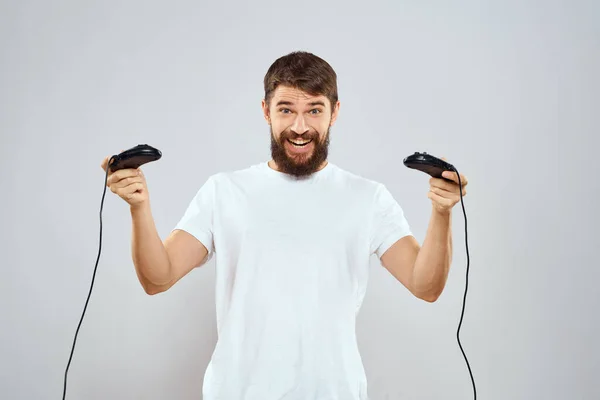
point(299, 166)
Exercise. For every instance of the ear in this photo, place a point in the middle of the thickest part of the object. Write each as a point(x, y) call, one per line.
point(335, 112)
point(266, 112)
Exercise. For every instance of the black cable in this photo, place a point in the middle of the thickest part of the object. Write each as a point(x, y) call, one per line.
point(92, 284)
point(466, 288)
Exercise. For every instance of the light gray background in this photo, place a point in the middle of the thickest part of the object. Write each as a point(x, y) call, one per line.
point(507, 90)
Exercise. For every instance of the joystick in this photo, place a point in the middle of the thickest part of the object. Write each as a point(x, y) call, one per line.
point(134, 157)
point(429, 164)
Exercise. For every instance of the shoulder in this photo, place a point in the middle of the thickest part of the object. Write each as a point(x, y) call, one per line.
point(223, 181)
point(373, 194)
point(241, 174)
point(357, 190)
point(355, 181)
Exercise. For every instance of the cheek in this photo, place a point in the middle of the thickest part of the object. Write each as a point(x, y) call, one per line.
point(278, 124)
point(323, 130)
point(322, 124)
point(278, 131)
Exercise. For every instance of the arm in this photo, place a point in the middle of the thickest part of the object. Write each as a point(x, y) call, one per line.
point(423, 270)
point(159, 265)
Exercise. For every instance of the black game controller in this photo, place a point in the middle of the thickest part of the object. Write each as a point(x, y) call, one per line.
point(134, 157)
point(429, 164)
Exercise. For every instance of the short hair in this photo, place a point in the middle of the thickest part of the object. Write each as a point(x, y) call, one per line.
point(305, 71)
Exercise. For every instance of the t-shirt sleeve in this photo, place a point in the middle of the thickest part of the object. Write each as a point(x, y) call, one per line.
point(389, 223)
point(197, 219)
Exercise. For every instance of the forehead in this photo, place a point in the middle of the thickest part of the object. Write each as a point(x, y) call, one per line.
point(295, 96)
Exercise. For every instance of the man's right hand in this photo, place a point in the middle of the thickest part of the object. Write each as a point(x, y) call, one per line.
point(129, 184)
point(159, 265)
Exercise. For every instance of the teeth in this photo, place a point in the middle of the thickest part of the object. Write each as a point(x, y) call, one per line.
point(300, 143)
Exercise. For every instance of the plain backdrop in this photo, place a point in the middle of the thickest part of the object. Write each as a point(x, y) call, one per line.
point(508, 91)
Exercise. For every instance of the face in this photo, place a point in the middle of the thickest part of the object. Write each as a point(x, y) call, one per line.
point(300, 126)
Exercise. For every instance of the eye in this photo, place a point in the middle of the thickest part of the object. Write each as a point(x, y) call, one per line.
point(315, 111)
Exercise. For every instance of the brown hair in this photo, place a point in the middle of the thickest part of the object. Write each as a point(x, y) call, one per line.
point(304, 71)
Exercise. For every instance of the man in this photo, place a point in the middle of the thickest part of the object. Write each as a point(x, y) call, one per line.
point(293, 238)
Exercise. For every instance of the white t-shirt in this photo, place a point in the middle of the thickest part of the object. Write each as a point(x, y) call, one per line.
point(292, 263)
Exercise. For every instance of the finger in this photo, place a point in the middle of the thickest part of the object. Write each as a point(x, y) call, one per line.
point(452, 195)
point(450, 175)
point(463, 179)
point(104, 163)
point(122, 174)
point(129, 190)
point(106, 160)
point(442, 201)
point(453, 176)
point(122, 183)
point(443, 184)
point(453, 190)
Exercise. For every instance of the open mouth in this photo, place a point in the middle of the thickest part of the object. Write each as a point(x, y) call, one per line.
point(299, 143)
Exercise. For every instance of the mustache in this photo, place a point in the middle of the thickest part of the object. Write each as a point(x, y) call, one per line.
point(305, 136)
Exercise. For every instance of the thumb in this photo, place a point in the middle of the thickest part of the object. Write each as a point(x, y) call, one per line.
point(104, 163)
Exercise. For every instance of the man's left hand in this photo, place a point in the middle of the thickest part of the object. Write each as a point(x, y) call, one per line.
point(445, 193)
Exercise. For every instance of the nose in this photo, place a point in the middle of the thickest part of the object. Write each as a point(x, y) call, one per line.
point(299, 126)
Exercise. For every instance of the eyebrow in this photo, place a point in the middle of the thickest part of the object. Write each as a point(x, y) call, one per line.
point(289, 103)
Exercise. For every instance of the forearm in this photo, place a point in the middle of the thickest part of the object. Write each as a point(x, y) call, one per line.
point(148, 251)
point(432, 264)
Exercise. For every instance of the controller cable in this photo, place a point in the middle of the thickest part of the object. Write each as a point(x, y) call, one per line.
point(466, 286)
point(93, 278)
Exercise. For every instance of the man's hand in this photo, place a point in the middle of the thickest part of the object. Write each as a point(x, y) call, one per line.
point(445, 193)
point(129, 184)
